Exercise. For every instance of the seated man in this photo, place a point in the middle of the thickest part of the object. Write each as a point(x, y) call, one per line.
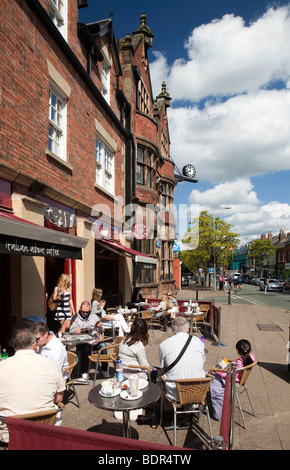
point(29, 382)
point(47, 344)
point(82, 321)
point(190, 365)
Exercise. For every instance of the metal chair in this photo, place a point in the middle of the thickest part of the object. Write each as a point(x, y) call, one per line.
point(72, 361)
point(190, 392)
point(241, 387)
point(98, 357)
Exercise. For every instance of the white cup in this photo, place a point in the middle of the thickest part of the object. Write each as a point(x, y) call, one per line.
point(107, 389)
point(133, 384)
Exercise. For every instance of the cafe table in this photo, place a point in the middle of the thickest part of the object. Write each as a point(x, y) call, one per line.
point(150, 395)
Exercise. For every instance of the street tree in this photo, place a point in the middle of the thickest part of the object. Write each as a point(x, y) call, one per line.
point(261, 251)
point(214, 245)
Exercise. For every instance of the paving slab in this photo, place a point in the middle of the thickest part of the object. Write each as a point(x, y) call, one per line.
point(268, 383)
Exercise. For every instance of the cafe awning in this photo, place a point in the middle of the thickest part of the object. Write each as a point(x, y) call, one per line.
point(125, 251)
point(21, 237)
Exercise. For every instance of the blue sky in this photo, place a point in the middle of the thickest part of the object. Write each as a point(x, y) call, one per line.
point(226, 65)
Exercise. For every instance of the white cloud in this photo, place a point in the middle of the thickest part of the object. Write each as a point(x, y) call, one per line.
point(245, 136)
point(240, 129)
point(248, 216)
point(226, 57)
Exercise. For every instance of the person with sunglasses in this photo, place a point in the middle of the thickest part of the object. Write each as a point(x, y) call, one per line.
point(48, 345)
point(85, 320)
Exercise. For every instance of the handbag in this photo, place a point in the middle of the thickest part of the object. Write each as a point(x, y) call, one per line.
point(52, 304)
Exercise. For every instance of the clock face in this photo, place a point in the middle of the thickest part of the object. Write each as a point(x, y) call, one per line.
point(189, 171)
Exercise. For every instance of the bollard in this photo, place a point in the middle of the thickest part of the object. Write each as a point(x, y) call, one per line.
point(229, 297)
point(196, 295)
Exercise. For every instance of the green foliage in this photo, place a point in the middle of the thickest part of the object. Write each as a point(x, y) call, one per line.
point(262, 251)
point(213, 238)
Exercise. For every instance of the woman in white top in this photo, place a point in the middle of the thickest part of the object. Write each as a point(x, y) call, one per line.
point(132, 349)
point(97, 307)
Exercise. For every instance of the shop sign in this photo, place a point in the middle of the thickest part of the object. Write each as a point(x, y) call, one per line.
point(25, 247)
point(140, 231)
point(59, 217)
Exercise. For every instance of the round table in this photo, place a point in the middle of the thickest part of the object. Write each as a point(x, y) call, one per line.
point(151, 394)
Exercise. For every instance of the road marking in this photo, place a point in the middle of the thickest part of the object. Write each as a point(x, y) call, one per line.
point(243, 298)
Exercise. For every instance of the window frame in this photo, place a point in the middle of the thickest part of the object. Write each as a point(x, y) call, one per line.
point(144, 166)
point(58, 15)
point(105, 166)
point(58, 126)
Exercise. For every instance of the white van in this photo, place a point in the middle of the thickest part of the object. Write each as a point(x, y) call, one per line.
point(237, 275)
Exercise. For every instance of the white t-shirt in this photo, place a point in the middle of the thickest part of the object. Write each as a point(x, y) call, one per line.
point(55, 350)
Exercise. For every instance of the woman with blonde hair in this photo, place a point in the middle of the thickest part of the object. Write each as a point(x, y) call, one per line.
point(98, 307)
point(65, 308)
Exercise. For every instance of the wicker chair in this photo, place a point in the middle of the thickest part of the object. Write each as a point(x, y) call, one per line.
point(148, 317)
point(98, 357)
point(190, 392)
point(72, 361)
point(47, 417)
point(241, 387)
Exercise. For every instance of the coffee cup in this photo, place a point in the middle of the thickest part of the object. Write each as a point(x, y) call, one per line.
point(107, 389)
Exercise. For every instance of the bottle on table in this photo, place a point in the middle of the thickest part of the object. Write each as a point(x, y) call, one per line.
point(120, 371)
point(4, 354)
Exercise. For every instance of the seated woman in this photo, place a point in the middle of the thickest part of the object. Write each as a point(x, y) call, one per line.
point(132, 349)
point(217, 385)
point(98, 308)
point(169, 304)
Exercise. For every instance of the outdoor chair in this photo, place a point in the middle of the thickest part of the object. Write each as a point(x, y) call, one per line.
point(190, 392)
point(161, 320)
point(47, 417)
point(98, 357)
point(148, 317)
point(72, 361)
point(241, 387)
point(198, 320)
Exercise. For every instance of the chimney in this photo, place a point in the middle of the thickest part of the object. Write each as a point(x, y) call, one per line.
point(270, 235)
point(263, 236)
point(282, 235)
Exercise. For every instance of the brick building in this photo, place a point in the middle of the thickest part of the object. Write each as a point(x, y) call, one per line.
point(81, 139)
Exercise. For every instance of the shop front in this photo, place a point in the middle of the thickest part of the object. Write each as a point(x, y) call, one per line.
point(31, 259)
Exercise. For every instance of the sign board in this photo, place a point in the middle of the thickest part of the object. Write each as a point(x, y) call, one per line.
point(26, 247)
point(140, 231)
point(176, 248)
point(211, 270)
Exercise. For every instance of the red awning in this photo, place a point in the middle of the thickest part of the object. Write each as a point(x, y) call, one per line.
point(138, 256)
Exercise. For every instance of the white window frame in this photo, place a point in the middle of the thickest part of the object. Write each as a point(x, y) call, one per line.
point(105, 167)
point(58, 15)
point(57, 119)
point(106, 72)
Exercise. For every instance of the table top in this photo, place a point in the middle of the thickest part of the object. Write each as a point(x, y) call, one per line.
point(150, 395)
point(76, 339)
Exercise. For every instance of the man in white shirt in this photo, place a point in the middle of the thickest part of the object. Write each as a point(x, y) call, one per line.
point(190, 366)
point(29, 382)
point(47, 344)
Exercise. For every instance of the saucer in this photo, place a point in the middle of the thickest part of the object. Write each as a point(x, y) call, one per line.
point(125, 395)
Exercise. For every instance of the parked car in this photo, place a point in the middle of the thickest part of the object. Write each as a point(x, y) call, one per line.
point(185, 278)
point(259, 281)
point(273, 285)
point(287, 283)
point(253, 281)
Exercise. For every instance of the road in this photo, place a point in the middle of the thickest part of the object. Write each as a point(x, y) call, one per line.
point(253, 295)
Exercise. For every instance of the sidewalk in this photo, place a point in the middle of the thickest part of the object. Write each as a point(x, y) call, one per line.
point(268, 383)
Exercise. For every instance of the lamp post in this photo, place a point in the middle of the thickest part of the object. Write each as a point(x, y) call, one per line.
point(214, 254)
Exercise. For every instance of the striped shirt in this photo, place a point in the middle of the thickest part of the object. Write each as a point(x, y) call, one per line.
point(63, 308)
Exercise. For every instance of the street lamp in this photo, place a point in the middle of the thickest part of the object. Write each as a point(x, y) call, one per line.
point(214, 255)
